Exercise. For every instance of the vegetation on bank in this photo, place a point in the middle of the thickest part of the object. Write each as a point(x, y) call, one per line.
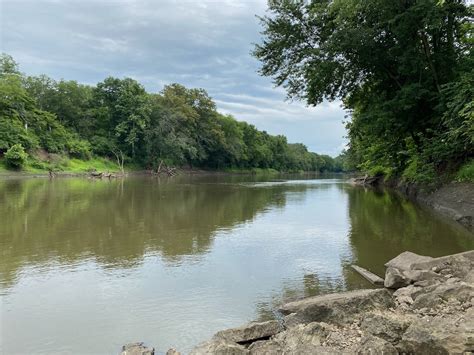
point(66, 126)
point(403, 69)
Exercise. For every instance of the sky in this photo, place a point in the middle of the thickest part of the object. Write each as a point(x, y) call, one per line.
point(205, 44)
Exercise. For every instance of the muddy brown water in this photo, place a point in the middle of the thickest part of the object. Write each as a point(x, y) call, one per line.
point(89, 265)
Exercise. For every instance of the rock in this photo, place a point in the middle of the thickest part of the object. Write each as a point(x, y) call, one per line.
point(265, 347)
point(173, 351)
point(422, 275)
point(406, 260)
point(292, 320)
point(435, 295)
point(459, 265)
point(411, 290)
point(397, 278)
point(417, 340)
point(384, 327)
point(375, 346)
point(366, 274)
point(301, 339)
point(137, 349)
point(394, 278)
point(338, 307)
point(426, 283)
point(251, 332)
point(218, 346)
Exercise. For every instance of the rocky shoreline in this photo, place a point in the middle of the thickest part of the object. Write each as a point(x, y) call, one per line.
point(425, 307)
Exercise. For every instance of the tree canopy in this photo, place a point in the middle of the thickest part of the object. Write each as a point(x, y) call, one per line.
point(403, 69)
point(180, 126)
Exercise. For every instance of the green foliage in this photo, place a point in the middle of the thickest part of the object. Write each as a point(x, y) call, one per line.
point(16, 157)
point(402, 69)
point(179, 126)
point(79, 148)
point(466, 172)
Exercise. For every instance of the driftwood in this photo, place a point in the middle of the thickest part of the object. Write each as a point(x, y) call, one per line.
point(366, 180)
point(100, 175)
point(165, 169)
point(96, 174)
point(370, 276)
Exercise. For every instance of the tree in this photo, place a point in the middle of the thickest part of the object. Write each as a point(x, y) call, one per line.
point(126, 111)
point(389, 61)
point(15, 157)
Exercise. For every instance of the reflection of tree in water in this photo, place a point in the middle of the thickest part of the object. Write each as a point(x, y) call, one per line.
point(117, 222)
point(384, 224)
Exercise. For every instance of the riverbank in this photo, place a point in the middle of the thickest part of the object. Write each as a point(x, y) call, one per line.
point(425, 307)
point(38, 173)
point(454, 200)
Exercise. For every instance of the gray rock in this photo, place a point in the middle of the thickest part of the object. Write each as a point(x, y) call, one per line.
point(375, 346)
point(433, 296)
point(301, 339)
point(395, 278)
point(411, 290)
point(137, 349)
point(338, 307)
point(422, 275)
point(417, 340)
point(406, 260)
point(250, 332)
point(444, 260)
point(173, 351)
point(219, 347)
point(384, 327)
point(266, 347)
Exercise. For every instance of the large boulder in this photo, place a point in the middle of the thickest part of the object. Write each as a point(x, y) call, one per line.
point(337, 307)
point(395, 278)
point(251, 332)
point(406, 260)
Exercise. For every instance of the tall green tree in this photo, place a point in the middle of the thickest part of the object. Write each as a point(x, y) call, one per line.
point(390, 62)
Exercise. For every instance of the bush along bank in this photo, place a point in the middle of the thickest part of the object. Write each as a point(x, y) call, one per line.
point(425, 307)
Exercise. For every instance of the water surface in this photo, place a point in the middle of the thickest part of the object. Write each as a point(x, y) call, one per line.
point(89, 265)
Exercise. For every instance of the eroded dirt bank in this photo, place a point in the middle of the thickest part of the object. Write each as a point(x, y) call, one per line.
point(455, 201)
point(425, 307)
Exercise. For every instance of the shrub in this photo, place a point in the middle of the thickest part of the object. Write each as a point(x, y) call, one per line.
point(466, 173)
point(79, 148)
point(15, 157)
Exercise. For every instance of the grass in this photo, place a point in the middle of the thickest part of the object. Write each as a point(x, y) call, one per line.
point(99, 164)
point(65, 165)
point(466, 172)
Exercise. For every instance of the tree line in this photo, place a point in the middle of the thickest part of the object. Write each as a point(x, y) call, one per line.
point(403, 69)
point(118, 117)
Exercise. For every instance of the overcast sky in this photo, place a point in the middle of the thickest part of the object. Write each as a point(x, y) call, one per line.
point(204, 44)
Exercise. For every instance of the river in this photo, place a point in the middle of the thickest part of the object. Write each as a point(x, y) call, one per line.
point(89, 265)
